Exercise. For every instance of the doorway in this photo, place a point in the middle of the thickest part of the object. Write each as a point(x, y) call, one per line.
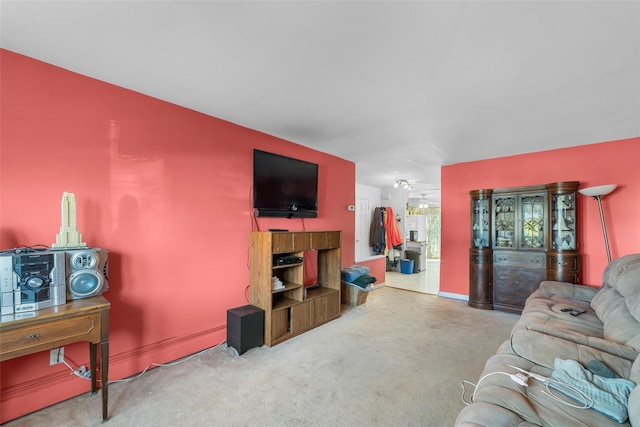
point(428, 280)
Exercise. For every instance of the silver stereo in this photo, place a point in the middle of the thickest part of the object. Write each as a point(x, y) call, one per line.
point(87, 272)
point(31, 281)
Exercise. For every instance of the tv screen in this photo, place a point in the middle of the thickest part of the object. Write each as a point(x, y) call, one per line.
point(283, 186)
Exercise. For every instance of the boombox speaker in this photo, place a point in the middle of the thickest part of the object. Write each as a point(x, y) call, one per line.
point(87, 272)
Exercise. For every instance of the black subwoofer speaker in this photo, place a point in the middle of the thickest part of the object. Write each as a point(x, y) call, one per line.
point(245, 328)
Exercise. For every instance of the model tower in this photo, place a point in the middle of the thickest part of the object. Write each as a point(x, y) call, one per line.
point(68, 237)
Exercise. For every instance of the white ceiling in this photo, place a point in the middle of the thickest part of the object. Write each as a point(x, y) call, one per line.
point(399, 88)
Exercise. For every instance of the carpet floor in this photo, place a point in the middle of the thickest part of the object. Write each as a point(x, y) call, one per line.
point(396, 360)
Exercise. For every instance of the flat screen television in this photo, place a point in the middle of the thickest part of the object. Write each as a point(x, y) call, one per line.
point(284, 187)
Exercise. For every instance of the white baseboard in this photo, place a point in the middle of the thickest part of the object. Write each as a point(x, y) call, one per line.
point(453, 296)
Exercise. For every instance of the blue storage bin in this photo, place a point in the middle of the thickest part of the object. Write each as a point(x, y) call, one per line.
point(406, 266)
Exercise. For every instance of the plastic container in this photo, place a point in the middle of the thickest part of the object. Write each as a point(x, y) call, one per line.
point(415, 257)
point(406, 266)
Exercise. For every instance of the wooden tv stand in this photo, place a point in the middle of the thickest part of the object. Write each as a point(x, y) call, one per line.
point(293, 310)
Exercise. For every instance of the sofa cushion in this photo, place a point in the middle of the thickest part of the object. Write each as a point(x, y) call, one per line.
point(482, 414)
point(634, 397)
point(543, 348)
point(546, 309)
point(623, 275)
point(568, 290)
point(619, 324)
point(615, 273)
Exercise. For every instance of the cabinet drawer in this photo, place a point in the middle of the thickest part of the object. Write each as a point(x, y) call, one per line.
point(512, 286)
point(565, 262)
point(520, 259)
point(52, 334)
point(477, 258)
point(281, 242)
point(301, 241)
point(324, 239)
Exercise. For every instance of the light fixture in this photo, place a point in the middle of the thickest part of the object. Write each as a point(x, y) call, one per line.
point(404, 183)
point(423, 204)
point(597, 193)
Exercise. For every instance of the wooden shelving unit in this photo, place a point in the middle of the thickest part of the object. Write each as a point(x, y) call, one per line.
point(292, 311)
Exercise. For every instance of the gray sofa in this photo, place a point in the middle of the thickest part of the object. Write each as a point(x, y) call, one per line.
point(602, 344)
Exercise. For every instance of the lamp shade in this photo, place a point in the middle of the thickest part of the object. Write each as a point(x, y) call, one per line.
point(599, 190)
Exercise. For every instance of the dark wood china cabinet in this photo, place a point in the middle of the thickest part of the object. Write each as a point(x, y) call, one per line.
point(519, 237)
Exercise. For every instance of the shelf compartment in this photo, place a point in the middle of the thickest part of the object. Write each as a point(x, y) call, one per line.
point(284, 302)
point(277, 267)
point(287, 287)
point(319, 292)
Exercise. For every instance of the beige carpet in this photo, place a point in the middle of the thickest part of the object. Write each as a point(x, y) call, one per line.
point(396, 360)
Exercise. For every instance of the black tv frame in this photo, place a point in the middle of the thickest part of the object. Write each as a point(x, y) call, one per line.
point(293, 211)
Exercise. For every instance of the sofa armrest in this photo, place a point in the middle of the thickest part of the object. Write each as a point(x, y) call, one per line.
point(569, 290)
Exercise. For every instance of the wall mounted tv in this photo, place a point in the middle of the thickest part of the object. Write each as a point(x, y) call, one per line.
point(284, 187)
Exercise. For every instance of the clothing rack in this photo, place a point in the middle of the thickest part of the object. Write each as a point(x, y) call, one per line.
point(384, 236)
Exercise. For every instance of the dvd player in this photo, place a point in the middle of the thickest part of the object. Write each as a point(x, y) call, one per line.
point(286, 260)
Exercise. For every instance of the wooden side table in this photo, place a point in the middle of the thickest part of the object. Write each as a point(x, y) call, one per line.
point(79, 320)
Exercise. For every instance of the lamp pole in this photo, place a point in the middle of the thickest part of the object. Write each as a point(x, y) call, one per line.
point(597, 193)
point(604, 228)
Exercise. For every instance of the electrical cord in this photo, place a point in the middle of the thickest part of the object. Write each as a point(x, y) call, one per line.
point(523, 380)
point(25, 249)
point(518, 378)
point(174, 363)
point(82, 372)
point(572, 391)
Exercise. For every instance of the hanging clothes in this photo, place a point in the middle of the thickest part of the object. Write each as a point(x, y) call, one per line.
point(377, 232)
point(393, 236)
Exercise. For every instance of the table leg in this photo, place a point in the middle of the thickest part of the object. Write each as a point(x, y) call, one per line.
point(92, 366)
point(104, 378)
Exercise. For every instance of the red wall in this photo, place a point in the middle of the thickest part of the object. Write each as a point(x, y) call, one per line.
point(165, 189)
point(377, 267)
point(616, 162)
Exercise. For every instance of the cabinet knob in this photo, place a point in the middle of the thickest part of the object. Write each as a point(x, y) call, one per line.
point(33, 336)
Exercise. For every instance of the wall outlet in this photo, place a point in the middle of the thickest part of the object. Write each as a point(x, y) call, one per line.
point(56, 356)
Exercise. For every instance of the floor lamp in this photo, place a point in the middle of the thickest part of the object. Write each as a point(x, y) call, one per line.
point(597, 193)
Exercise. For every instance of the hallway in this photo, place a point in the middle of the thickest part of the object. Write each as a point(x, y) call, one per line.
point(427, 282)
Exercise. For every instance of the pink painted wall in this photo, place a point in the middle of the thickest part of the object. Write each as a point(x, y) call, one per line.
point(615, 162)
point(165, 189)
point(377, 267)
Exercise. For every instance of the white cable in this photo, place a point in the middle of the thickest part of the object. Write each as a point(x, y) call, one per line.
point(522, 380)
point(518, 378)
point(588, 401)
point(174, 363)
point(78, 372)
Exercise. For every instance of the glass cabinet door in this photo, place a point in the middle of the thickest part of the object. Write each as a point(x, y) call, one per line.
point(504, 221)
point(480, 221)
point(563, 221)
point(532, 232)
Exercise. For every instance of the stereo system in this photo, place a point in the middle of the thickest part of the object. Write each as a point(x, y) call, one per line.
point(34, 280)
point(286, 260)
